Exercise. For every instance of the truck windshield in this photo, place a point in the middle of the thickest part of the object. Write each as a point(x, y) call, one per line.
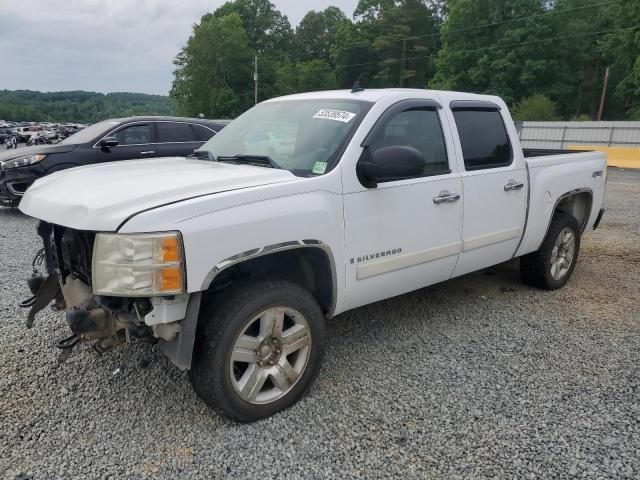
point(302, 136)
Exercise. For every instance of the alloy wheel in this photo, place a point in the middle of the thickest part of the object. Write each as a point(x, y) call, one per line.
point(270, 355)
point(562, 254)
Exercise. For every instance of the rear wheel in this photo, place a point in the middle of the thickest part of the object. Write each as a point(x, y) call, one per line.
point(552, 265)
point(258, 349)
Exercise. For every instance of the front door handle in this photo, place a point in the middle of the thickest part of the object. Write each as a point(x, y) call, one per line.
point(446, 197)
point(513, 185)
point(148, 152)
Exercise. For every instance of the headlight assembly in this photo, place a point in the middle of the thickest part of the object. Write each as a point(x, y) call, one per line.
point(23, 161)
point(138, 265)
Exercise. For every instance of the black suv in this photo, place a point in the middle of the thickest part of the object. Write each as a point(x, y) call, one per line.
point(107, 141)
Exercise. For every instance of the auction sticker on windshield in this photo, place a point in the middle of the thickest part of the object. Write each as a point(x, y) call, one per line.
point(339, 115)
point(319, 167)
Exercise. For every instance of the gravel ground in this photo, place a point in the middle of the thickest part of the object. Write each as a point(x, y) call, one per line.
point(479, 377)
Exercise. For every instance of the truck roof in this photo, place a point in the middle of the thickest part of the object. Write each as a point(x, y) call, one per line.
point(377, 94)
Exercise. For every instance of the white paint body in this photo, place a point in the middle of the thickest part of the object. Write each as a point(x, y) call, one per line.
point(224, 210)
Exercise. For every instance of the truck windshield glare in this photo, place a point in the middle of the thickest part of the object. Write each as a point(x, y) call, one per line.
point(303, 136)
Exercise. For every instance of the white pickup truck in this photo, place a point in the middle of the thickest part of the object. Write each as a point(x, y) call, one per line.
point(234, 259)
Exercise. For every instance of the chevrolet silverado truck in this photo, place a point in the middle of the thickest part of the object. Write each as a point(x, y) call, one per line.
point(234, 260)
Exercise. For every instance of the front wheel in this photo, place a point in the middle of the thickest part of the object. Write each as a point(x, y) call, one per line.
point(258, 349)
point(552, 265)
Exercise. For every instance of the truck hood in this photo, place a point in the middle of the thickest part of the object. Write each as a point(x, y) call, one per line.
point(101, 197)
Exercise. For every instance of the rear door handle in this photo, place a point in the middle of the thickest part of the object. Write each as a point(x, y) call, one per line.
point(446, 197)
point(513, 185)
point(148, 152)
point(597, 173)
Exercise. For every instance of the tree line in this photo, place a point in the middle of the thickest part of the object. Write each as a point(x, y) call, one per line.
point(546, 58)
point(79, 106)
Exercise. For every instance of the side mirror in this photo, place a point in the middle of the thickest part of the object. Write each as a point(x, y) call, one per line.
point(387, 164)
point(108, 142)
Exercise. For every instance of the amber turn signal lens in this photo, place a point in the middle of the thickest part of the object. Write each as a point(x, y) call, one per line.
point(171, 279)
point(170, 249)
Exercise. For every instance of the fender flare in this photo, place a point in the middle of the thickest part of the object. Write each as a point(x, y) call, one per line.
point(180, 350)
point(564, 196)
point(277, 247)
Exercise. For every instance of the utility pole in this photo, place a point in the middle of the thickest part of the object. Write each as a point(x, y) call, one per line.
point(604, 93)
point(255, 80)
point(403, 62)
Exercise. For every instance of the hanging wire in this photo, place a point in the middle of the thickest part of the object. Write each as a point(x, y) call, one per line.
point(38, 260)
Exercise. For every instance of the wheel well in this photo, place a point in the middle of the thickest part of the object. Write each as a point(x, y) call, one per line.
point(578, 205)
point(309, 267)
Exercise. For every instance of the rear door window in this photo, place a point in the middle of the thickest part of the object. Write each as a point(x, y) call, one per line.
point(202, 134)
point(484, 138)
point(175, 132)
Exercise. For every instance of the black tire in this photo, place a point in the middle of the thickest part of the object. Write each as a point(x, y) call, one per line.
point(535, 268)
point(221, 322)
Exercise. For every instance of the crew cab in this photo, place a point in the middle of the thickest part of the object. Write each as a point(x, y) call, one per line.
point(108, 141)
point(234, 264)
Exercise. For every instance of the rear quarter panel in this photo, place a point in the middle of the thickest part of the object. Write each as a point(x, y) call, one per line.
point(550, 178)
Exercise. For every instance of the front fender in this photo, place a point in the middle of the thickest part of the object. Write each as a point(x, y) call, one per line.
point(214, 240)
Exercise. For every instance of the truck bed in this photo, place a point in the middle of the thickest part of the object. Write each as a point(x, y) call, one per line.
point(553, 174)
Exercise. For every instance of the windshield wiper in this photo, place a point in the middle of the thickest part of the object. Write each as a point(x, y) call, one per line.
point(259, 160)
point(201, 155)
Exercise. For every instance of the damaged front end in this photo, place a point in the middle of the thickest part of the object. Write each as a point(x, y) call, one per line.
point(118, 302)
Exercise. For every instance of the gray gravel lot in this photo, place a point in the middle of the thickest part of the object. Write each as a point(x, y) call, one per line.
point(479, 377)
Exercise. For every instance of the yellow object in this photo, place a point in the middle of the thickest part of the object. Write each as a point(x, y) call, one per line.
point(171, 279)
point(622, 157)
point(170, 249)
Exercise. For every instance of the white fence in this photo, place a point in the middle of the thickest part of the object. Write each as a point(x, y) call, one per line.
point(559, 135)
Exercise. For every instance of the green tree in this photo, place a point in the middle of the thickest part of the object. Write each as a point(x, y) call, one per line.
point(79, 106)
point(535, 108)
point(505, 58)
point(213, 71)
point(353, 47)
point(316, 34)
point(268, 30)
point(512, 48)
point(313, 75)
point(404, 37)
point(412, 29)
point(391, 44)
point(622, 52)
point(579, 67)
point(269, 34)
point(583, 117)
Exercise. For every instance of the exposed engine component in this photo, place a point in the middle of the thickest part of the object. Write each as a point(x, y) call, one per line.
point(106, 321)
point(76, 293)
point(167, 331)
point(49, 289)
point(91, 324)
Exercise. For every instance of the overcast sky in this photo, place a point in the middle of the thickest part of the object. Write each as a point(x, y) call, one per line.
point(107, 45)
